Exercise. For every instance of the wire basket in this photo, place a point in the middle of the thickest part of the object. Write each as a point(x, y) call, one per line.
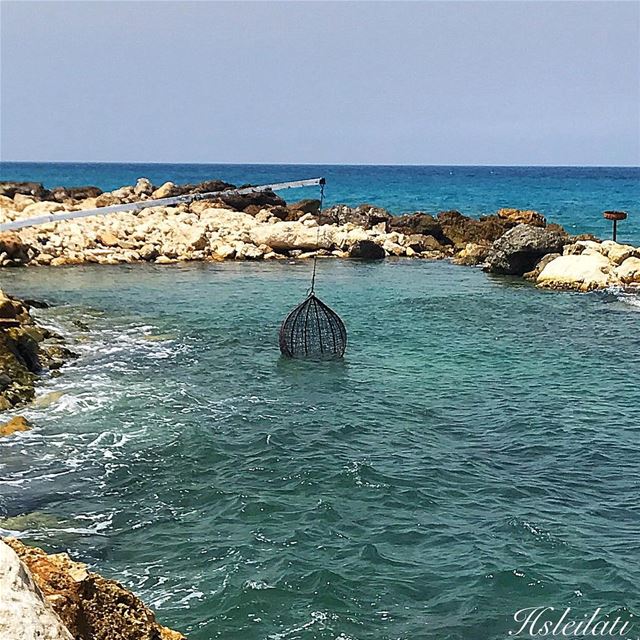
point(313, 330)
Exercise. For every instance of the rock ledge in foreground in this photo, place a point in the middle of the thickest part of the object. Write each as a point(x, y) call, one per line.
point(90, 606)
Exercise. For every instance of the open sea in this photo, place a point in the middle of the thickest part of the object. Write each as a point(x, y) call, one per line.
point(477, 451)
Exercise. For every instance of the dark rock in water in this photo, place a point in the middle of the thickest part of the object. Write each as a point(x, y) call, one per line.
point(541, 264)
point(34, 189)
point(520, 248)
point(366, 250)
point(60, 194)
point(460, 230)
point(25, 349)
point(419, 223)
point(36, 304)
point(364, 215)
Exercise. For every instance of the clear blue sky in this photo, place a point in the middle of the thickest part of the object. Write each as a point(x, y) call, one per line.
point(322, 82)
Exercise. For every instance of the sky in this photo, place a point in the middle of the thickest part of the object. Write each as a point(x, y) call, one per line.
point(479, 82)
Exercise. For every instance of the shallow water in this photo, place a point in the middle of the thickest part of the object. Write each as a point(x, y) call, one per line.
point(477, 451)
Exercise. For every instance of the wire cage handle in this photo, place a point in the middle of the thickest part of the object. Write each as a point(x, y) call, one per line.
point(311, 291)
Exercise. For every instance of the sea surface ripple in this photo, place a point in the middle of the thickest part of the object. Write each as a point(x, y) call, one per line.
point(477, 451)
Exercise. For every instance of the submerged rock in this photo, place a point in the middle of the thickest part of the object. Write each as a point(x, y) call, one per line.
point(15, 424)
point(90, 607)
point(520, 248)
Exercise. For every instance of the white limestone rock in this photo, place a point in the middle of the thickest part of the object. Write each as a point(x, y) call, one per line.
point(289, 236)
point(618, 253)
point(629, 271)
point(583, 272)
point(143, 187)
point(24, 612)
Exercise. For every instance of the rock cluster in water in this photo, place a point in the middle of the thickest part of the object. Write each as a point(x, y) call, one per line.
point(262, 226)
point(26, 351)
point(54, 598)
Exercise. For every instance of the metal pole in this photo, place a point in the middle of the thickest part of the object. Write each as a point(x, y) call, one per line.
point(146, 204)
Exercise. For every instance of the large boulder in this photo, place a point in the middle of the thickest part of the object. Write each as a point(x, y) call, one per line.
point(25, 614)
point(629, 271)
point(460, 230)
point(143, 187)
point(208, 186)
point(618, 253)
point(296, 210)
point(473, 254)
point(522, 216)
point(13, 248)
point(62, 194)
point(419, 223)
point(166, 190)
point(366, 250)
point(419, 242)
point(34, 189)
point(240, 202)
point(519, 249)
point(583, 272)
point(364, 215)
point(285, 236)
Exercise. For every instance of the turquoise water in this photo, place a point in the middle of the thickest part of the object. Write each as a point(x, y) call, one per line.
point(572, 196)
point(477, 452)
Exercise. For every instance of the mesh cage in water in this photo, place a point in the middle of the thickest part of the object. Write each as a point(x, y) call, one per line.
point(313, 330)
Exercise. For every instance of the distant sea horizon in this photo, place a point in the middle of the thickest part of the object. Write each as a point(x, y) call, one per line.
point(573, 196)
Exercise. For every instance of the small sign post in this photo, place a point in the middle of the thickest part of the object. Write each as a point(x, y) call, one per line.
point(615, 216)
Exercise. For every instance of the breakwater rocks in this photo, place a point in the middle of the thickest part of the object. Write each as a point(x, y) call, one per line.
point(262, 226)
point(54, 598)
point(27, 350)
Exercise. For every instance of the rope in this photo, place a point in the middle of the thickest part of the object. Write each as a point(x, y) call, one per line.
point(315, 257)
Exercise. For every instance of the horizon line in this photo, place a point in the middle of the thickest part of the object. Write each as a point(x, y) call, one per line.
point(325, 164)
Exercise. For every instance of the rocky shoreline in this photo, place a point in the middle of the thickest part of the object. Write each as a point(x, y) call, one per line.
point(27, 351)
point(51, 597)
point(262, 226)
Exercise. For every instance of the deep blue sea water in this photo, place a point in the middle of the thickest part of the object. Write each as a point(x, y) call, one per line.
point(572, 196)
point(476, 453)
